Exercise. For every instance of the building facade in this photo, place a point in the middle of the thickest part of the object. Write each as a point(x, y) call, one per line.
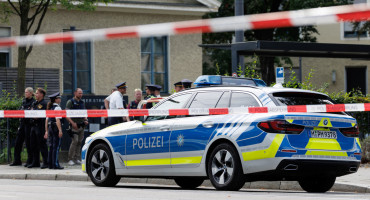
point(99, 65)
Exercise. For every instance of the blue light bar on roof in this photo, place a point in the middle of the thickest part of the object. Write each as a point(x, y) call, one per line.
point(207, 80)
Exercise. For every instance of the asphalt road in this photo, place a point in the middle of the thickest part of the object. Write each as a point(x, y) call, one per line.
point(70, 190)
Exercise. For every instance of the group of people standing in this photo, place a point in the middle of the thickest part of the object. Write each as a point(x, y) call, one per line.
point(39, 133)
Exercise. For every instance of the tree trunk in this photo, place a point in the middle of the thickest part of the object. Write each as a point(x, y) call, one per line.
point(267, 69)
point(22, 51)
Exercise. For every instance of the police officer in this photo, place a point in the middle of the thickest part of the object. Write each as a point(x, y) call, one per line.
point(78, 127)
point(178, 86)
point(157, 91)
point(23, 134)
point(115, 101)
point(53, 132)
point(186, 83)
point(149, 89)
point(37, 141)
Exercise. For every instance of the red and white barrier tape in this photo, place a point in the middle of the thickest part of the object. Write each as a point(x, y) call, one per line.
point(192, 111)
point(315, 16)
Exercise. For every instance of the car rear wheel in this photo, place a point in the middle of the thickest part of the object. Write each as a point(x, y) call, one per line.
point(189, 182)
point(101, 167)
point(224, 168)
point(317, 184)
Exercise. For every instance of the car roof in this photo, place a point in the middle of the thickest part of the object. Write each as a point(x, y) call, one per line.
point(267, 90)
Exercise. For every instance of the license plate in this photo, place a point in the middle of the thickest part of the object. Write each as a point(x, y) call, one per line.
point(323, 134)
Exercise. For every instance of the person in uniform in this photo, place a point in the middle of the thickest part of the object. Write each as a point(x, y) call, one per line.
point(115, 101)
point(149, 89)
point(186, 83)
point(157, 91)
point(53, 132)
point(178, 86)
point(23, 134)
point(78, 127)
point(37, 141)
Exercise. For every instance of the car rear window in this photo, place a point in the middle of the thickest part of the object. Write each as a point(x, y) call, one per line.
point(300, 98)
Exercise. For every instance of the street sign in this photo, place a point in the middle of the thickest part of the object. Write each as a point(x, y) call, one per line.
point(279, 75)
point(235, 75)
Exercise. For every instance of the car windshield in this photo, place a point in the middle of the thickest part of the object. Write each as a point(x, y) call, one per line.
point(301, 98)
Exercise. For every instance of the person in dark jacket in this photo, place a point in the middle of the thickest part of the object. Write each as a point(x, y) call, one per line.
point(53, 132)
point(23, 134)
point(37, 141)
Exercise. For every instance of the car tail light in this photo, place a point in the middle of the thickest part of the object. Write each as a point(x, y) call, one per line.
point(280, 126)
point(350, 132)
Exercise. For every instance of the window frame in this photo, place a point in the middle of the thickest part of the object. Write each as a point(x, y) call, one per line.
point(152, 54)
point(7, 50)
point(74, 69)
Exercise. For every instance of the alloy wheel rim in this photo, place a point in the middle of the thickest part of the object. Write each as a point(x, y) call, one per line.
point(100, 165)
point(222, 166)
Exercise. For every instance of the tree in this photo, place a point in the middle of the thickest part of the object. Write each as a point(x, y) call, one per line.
point(300, 34)
point(31, 14)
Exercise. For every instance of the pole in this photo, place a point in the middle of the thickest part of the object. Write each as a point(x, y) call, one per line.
point(8, 140)
point(74, 63)
point(239, 36)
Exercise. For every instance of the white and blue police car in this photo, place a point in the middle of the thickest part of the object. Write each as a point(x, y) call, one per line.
point(311, 148)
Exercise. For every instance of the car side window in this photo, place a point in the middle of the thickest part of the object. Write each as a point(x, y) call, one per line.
point(239, 99)
point(224, 101)
point(205, 100)
point(177, 102)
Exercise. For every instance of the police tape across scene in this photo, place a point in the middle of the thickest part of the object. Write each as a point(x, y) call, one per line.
point(315, 16)
point(328, 108)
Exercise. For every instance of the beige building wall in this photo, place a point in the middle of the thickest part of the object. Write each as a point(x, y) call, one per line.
point(324, 67)
point(114, 61)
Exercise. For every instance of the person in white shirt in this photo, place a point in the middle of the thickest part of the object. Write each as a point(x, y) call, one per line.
point(115, 101)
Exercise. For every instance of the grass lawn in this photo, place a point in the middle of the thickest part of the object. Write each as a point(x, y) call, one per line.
point(4, 155)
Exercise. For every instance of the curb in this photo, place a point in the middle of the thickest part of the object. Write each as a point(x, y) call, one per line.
point(271, 185)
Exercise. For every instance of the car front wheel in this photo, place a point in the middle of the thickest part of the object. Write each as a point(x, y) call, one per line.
point(224, 168)
point(101, 167)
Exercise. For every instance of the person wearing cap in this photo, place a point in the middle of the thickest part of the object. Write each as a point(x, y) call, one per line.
point(37, 141)
point(149, 89)
point(53, 132)
point(186, 83)
point(157, 91)
point(178, 86)
point(77, 126)
point(23, 133)
point(115, 101)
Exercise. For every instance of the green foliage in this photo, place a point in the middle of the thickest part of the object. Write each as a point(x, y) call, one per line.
point(9, 101)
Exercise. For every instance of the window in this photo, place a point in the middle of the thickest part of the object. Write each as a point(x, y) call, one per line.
point(177, 102)
point(224, 101)
point(243, 100)
point(206, 100)
point(4, 52)
point(348, 31)
point(77, 67)
point(154, 62)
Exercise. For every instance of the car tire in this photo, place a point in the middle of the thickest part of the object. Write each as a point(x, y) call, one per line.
point(224, 168)
point(189, 182)
point(100, 167)
point(317, 184)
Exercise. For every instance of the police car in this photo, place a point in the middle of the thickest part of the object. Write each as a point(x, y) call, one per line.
point(311, 148)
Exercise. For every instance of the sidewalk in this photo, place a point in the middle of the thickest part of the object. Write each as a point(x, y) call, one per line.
point(357, 182)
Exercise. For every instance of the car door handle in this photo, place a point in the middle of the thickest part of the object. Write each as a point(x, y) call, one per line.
point(208, 124)
point(165, 128)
